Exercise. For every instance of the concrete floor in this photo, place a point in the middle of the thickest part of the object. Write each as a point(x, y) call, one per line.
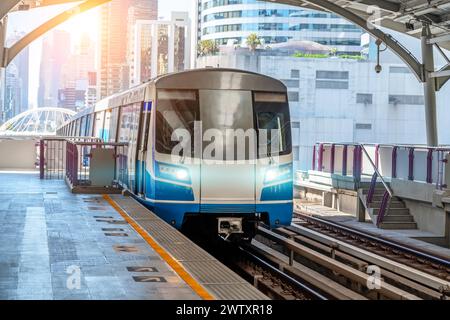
point(54, 245)
point(407, 237)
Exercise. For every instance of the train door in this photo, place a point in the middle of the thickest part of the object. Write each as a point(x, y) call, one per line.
point(142, 148)
point(136, 110)
point(229, 149)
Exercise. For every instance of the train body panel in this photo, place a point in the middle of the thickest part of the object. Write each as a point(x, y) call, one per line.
point(196, 150)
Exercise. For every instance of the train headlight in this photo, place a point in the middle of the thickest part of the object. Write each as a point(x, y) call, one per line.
point(181, 174)
point(174, 173)
point(278, 174)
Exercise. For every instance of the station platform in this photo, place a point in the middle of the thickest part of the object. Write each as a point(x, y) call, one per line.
point(59, 246)
point(408, 238)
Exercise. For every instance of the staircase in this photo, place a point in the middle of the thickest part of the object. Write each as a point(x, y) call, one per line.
point(397, 217)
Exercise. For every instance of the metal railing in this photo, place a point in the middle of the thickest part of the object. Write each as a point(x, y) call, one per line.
point(408, 162)
point(52, 155)
point(79, 156)
point(388, 194)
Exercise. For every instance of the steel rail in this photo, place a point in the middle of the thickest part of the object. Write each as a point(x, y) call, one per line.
point(401, 247)
point(279, 273)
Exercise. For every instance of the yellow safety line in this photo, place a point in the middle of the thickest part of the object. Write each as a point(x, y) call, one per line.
point(175, 265)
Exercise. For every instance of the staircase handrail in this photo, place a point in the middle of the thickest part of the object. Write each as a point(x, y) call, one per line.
point(386, 186)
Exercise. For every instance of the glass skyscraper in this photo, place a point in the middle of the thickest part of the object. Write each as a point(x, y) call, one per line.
point(234, 20)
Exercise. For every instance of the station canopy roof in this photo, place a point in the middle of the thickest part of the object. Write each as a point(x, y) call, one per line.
point(405, 16)
point(36, 122)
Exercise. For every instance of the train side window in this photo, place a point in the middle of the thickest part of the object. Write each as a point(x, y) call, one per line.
point(77, 127)
point(113, 124)
point(106, 127)
point(83, 126)
point(99, 118)
point(72, 130)
point(89, 125)
point(126, 122)
point(272, 115)
point(175, 109)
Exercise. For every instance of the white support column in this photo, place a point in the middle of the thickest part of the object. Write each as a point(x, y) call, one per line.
point(3, 29)
point(429, 88)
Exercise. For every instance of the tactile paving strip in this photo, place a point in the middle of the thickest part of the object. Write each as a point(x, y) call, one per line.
point(215, 277)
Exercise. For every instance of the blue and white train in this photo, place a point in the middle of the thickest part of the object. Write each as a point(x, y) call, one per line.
point(187, 189)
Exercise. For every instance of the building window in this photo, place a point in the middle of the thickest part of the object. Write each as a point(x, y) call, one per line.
point(332, 75)
point(332, 79)
point(291, 83)
point(406, 99)
point(399, 70)
point(365, 98)
point(364, 126)
point(325, 84)
point(295, 74)
point(295, 125)
point(293, 96)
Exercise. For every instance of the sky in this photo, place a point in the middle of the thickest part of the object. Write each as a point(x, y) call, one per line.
point(25, 21)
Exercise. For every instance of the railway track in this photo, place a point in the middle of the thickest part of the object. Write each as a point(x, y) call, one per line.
point(343, 271)
point(318, 260)
point(436, 266)
point(256, 267)
point(274, 282)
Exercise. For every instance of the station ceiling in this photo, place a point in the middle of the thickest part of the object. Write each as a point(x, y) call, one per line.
point(405, 16)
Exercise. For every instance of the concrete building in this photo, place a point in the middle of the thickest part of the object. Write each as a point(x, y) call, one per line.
point(234, 20)
point(161, 47)
point(343, 100)
point(117, 17)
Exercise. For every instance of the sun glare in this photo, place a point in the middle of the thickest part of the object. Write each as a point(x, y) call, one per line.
point(87, 22)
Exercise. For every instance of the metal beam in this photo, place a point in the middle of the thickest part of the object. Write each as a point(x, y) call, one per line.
point(439, 39)
point(440, 74)
point(441, 81)
point(382, 4)
point(406, 56)
point(6, 6)
point(11, 53)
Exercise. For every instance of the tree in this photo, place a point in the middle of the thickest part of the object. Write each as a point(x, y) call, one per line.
point(207, 47)
point(253, 41)
point(333, 52)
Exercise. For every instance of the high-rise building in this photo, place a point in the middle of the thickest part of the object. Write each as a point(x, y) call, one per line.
point(15, 93)
point(75, 75)
point(11, 105)
point(161, 47)
point(80, 62)
point(116, 18)
point(91, 92)
point(139, 10)
point(55, 54)
point(74, 97)
point(233, 21)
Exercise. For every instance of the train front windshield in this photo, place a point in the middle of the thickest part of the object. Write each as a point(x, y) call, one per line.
point(272, 116)
point(220, 111)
